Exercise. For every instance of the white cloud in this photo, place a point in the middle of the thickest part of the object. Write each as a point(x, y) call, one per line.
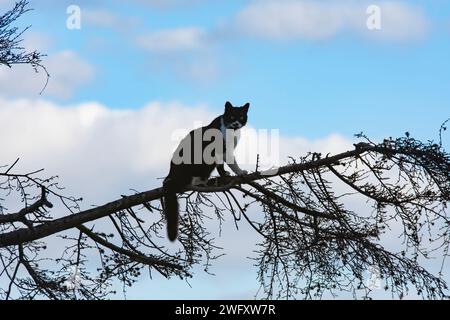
point(89, 140)
point(289, 19)
point(401, 22)
point(188, 52)
point(316, 20)
point(68, 71)
point(173, 40)
point(202, 69)
point(108, 19)
point(169, 3)
point(38, 41)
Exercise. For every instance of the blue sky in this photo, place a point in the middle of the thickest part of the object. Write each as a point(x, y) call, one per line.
point(308, 68)
point(311, 87)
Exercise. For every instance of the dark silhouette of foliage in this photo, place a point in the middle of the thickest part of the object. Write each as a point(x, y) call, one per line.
point(11, 51)
point(312, 242)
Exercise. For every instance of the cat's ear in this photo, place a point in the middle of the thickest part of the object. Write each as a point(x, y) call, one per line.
point(246, 106)
point(228, 106)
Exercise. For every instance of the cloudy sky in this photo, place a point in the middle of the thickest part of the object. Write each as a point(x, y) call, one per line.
point(133, 73)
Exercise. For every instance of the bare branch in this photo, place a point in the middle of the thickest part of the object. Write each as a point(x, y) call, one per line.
point(311, 242)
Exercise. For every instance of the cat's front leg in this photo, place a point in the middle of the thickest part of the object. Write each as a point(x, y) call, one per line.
point(238, 171)
point(222, 171)
point(235, 167)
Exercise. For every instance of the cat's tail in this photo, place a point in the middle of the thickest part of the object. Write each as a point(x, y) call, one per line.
point(171, 209)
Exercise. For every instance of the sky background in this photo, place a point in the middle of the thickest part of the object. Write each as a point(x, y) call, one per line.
point(135, 72)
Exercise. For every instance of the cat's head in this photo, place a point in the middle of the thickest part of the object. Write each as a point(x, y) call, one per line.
point(235, 117)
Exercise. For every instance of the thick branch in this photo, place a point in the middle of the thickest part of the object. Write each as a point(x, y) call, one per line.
point(51, 227)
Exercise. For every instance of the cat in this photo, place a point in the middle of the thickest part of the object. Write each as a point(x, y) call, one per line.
point(199, 153)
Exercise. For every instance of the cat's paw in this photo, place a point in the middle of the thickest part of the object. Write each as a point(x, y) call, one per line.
point(242, 173)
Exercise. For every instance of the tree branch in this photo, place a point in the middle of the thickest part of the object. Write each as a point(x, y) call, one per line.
point(61, 224)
